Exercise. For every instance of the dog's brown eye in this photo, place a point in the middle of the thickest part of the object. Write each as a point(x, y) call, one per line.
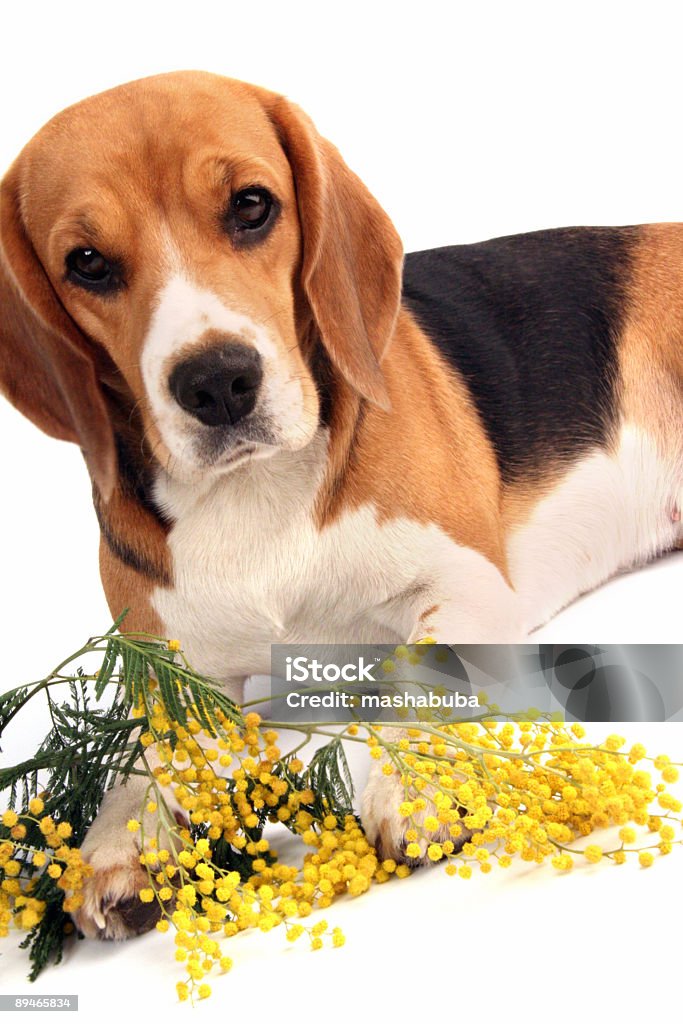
point(251, 208)
point(88, 266)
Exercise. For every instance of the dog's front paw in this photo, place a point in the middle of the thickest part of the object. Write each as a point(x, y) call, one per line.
point(405, 839)
point(111, 907)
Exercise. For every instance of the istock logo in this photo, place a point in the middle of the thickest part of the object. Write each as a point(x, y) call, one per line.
point(301, 670)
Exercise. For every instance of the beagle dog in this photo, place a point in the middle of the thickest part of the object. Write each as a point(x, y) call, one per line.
point(294, 434)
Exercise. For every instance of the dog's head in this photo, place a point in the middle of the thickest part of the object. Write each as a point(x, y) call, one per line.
point(180, 251)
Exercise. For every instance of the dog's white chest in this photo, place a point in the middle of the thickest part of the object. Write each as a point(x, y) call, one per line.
point(252, 567)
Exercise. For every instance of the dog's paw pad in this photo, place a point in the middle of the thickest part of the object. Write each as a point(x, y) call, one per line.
point(393, 841)
point(111, 907)
point(390, 833)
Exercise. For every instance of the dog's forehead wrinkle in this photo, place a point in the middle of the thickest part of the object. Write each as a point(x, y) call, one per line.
point(158, 176)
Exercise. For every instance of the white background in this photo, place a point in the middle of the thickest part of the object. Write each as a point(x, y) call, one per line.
point(467, 121)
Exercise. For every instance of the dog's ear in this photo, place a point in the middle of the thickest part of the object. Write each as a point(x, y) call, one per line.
point(352, 254)
point(46, 368)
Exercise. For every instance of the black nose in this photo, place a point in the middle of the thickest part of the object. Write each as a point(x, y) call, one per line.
point(219, 386)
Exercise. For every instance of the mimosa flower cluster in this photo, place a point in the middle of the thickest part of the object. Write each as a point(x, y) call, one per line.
point(470, 795)
point(199, 892)
point(21, 865)
point(480, 794)
point(476, 794)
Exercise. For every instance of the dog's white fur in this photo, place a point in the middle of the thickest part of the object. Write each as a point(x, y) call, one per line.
point(251, 568)
point(183, 313)
point(610, 513)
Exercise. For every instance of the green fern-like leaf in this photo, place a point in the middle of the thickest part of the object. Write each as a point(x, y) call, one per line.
point(94, 744)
